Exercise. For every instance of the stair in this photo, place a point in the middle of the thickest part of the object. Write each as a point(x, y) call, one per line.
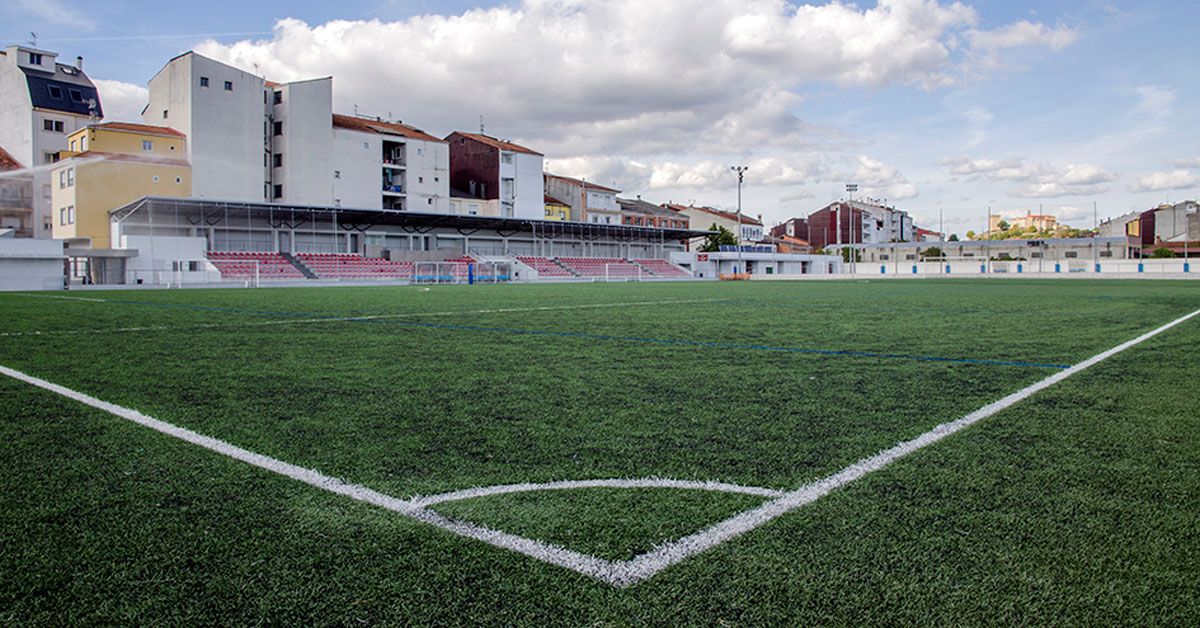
point(304, 270)
point(565, 267)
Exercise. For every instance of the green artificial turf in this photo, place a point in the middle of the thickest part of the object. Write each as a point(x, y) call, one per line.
point(1077, 506)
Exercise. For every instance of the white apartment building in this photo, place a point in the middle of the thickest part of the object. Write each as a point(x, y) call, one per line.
point(41, 103)
point(389, 165)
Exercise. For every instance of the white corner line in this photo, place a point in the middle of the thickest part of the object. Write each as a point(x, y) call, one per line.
point(617, 573)
point(642, 567)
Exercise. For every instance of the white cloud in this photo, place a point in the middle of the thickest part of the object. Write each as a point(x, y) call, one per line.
point(632, 175)
point(1159, 181)
point(1155, 101)
point(1021, 34)
point(579, 78)
point(1187, 163)
point(122, 101)
point(1036, 180)
point(878, 180)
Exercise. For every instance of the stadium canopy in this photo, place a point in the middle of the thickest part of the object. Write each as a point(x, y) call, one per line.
point(353, 219)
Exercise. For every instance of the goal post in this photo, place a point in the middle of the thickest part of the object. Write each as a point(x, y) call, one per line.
point(622, 271)
point(195, 271)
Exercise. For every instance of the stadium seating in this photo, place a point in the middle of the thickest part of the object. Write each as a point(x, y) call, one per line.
point(600, 267)
point(544, 266)
point(662, 268)
point(242, 265)
point(352, 266)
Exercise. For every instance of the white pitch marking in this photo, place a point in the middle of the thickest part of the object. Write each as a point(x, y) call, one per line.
point(331, 319)
point(55, 296)
point(504, 489)
point(650, 563)
point(617, 573)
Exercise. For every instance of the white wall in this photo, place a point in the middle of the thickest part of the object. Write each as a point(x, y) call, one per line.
point(357, 162)
point(428, 176)
point(27, 264)
point(530, 197)
point(306, 145)
point(225, 129)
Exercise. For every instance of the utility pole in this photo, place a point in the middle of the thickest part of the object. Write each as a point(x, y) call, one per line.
point(851, 188)
point(1095, 237)
point(741, 173)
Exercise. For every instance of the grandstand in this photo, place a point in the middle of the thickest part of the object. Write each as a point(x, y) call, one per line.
point(299, 243)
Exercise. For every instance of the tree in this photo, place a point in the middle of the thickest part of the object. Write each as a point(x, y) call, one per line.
point(954, 236)
point(716, 238)
point(970, 235)
point(932, 252)
point(1002, 225)
point(1162, 252)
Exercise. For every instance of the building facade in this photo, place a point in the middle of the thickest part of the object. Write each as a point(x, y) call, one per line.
point(589, 202)
point(791, 228)
point(858, 222)
point(645, 214)
point(108, 166)
point(16, 197)
point(556, 209)
point(491, 169)
point(389, 165)
point(703, 218)
point(41, 103)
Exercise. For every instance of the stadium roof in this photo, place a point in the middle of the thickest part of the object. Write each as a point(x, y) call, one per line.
point(365, 218)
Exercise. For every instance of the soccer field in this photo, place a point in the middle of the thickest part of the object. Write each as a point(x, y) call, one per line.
point(954, 451)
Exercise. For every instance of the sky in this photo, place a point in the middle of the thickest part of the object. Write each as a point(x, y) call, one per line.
point(948, 110)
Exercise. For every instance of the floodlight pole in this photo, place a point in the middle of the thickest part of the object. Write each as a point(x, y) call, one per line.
point(741, 173)
point(851, 188)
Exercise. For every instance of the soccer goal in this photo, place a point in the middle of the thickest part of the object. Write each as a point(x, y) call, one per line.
point(622, 271)
point(184, 272)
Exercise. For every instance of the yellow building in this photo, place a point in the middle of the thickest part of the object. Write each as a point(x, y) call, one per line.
point(108, 166)
point(556, 209)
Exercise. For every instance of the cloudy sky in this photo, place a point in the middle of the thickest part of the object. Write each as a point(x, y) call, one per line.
point(942, 108)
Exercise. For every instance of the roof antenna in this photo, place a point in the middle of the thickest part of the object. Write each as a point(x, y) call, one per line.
point(32, 39)
point(355, 111)
point(481, 131)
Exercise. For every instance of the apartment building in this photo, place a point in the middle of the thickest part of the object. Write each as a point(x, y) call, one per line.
point(791, 228)
point(16, 196)
point(858, 222)
point(589, 202)
point(487, 168)
point(639, 213)
point(703, 218)
point(389, 165)
point(41, 103)
point(107, 166)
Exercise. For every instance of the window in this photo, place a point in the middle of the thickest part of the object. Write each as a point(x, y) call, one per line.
point(278, 160)
point(70, 214)
point(76, 95)
point(178, 180)
point(70, 177)
point(277, 192)
point(506, 158)
point(62, 215)
point(278, 128)
point(73, 145)
point(203, 81)
point(884, 257)
point(164, 114)
point(337, 174)
point(420, 179)
point(429, 201)
point(278, 98)
point(229, 86)
point(154, 178)
point(1105, 253)
point(148, 146)
point(1071, 254)
point(910, 256)
point(54, 126)
point(55, 91)
point(62, 179)
point(1035, 255)
point(35, 58)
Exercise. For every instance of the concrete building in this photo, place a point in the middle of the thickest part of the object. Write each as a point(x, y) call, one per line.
point(589, 202)
point(758, 264)
point(489, 169)
point(41, 102)
point(389, 165)
point(1123, 225)
point(791, 228)
point(1170, 227)
point(1050, 255)
point(858, 222)
point(108, 166)
point(556, 209)
point(645, 214)
point(16, 197)
point(464, 204)
point(1029, 222)
point(249, 139)
point(703, 218)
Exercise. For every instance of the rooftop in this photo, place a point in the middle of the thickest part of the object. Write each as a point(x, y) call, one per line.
point(586, 184)
point(644, 207)
point(8, 162)
point(134, 127)
point(745, 220)
point(375, 125)
point(495, 143)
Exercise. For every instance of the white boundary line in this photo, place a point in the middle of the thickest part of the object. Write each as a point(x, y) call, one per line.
point(617, 573)
point(56, 296)
point(330, 319)
point(505, 489)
